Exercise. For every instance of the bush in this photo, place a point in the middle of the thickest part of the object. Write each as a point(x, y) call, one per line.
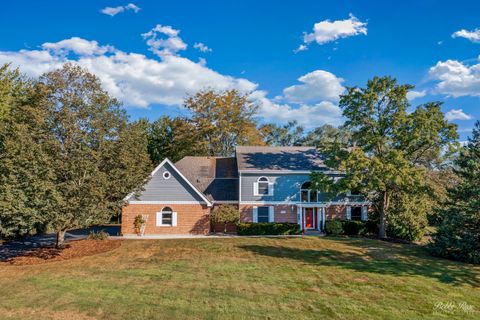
point(224, 214)
point(371, 227)
point(353, 227)
point(267, 228)
point(333, 227)
point(99, 235)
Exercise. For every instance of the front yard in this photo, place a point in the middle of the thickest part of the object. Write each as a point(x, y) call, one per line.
point(241, 278)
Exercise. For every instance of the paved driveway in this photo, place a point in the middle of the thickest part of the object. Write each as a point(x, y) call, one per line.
point(20, 246)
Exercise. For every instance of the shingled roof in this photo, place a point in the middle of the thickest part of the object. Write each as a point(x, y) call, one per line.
point(215, 177)
point(279, 159)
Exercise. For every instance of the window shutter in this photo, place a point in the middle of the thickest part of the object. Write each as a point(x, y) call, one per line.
point(255, 214)
point(270, 188)
point(159, 219)
point(364, 213)
point(255, 188)
point(271, 214)
point(349, 213)
point(174, 219)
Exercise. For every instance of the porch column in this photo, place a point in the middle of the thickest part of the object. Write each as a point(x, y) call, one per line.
point(299, 217)
point(303, 219)
point(319, 216)
point(323, 218)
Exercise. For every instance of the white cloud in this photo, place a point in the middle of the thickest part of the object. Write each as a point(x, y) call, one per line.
point(309, 116)
point(112, 11)
point(76, 45)
point(133, 78)
point(473, 36)
point(326, 31)
point(164, 40)
point(456, 79)
point(316, 86)
point(411, 95)
point(457, 114)
point(202, 47)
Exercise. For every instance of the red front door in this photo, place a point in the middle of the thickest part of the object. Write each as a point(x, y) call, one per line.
point(309, 221)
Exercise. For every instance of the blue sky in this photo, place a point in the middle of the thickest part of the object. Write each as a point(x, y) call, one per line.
point(252, 46)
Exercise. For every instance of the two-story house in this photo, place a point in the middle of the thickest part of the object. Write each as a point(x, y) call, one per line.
point(266, 184)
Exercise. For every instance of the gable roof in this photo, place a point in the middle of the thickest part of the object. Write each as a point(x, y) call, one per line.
point(261, 158)
point(215, 177)
point(194, 188)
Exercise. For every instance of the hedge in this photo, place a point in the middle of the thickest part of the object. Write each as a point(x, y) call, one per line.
point(348, 227)
point(267, 228)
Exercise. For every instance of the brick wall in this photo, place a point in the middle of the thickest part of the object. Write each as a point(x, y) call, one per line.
point(191, 218)
point(289, 215)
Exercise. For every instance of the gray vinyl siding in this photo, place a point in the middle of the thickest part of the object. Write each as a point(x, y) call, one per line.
point(173, 189)
point(286, 188)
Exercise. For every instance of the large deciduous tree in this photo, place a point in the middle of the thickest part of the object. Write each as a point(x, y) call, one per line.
point(224, 120)
point(77, 155)
point(391, 148)
point(458, 236)
point(289, 134)
point(174, 138)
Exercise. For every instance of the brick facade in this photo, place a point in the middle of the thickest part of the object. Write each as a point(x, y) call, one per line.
point(336, 212)
point(282, 213)
point(191, 218)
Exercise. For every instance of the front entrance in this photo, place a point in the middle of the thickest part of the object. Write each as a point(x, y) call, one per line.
point(309, 218)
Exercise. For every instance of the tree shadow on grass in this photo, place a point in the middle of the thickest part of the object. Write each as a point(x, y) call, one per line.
point(377, 257)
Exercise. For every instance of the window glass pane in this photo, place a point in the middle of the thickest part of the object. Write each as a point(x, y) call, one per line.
point(304, 196)
point(167, 218)
point(262, 214)
point(313, 196)
point(263, 179)
point(263, 188)
point(356, 213)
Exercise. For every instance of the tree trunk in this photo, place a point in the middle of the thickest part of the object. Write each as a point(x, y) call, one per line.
point(225, 228)
point(382, 224)
point(60, 239)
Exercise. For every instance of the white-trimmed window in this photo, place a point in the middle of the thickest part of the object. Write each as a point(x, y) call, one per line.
point(263, 214)
point(166, 218)
point(307, 195)
point(263, 187)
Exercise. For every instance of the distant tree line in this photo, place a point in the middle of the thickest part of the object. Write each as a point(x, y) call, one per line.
point(69, 155)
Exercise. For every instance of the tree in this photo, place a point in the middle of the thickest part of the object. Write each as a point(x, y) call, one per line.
point(326, 137)
point(26, 174)
point(224, 120)
point(77, 158)
point(174, 139)
point(458, 236)
point(225, 214)
point(289, 134)
point(391, 148)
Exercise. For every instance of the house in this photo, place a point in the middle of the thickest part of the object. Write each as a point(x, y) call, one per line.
point(267, 184)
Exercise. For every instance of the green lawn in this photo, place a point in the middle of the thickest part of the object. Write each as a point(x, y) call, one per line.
point(241, 278)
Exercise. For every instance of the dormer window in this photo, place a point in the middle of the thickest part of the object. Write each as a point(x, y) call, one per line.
point(263, 187)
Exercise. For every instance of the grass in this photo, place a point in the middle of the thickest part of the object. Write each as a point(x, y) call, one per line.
point(242, 278)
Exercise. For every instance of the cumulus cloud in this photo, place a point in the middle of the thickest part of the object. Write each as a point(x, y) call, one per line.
point(202, 47)
point(456, 79)
point(113, 11)
point(316, 86)
point(131, 77)
point(411, 95)
point(473, 35)
point(164, 40)
point(457, 114)
point(307, 115)
point(326, 31)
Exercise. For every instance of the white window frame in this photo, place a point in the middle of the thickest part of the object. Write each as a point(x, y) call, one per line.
point(271, 214)
point(308, 194)
point(270, 187)
point(166, 173)
point(159, 218)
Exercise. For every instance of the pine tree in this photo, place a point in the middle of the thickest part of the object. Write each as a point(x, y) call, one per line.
point(458, 236)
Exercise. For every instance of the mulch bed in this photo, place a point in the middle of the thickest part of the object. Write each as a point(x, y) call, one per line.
point(74, 249)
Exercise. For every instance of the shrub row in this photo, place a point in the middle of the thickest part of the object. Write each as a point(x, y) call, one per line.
point(350, 227)
point(267, 228)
